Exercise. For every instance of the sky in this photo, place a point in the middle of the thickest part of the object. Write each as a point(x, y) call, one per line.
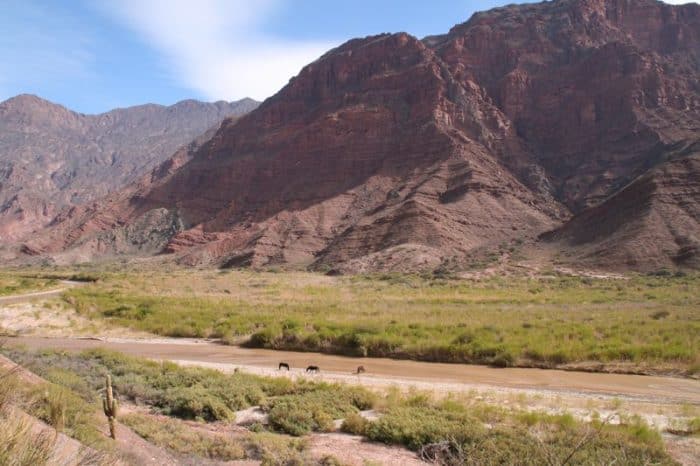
point(92, 56)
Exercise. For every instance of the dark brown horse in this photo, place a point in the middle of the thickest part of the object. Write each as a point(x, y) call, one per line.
point(360, 370)
point(314, 369)
point(283, 365)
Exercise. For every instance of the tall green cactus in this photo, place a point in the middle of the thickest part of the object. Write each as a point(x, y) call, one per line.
point(109, 406)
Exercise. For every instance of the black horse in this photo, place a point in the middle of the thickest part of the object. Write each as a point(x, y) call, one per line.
point(283, 365)
point(314, 369)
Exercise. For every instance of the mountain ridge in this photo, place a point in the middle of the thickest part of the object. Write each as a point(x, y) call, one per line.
point(394, 153)
point(52, 157)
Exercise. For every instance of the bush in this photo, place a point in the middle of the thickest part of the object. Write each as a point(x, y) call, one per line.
point(354, 424)
point(416, 427)
point(503, 360)
point(275, 450)
point(315, 410)
point(324, 422)
point(195, 403)
point(295, 420)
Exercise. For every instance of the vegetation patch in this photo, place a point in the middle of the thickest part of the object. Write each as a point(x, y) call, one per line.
point(197, 393)
point(22, 442)
point(183, 439)
point(179, 438)
point(448, 430)
point(317, 409)
point(518, 321)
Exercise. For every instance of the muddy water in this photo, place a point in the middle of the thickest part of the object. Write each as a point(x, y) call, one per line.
point(663, 389)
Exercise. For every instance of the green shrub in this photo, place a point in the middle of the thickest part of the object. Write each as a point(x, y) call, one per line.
point(288, 417)
point(354, 424)
point(315, 410)
point(194, 403)
point(419, 426)
point(274, 450)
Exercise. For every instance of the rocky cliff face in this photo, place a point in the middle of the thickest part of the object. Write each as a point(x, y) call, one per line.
point(51, 157)
point(394, 153)
point(599, 89)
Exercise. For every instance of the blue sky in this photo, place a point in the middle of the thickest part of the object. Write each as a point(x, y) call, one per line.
point(94, 55)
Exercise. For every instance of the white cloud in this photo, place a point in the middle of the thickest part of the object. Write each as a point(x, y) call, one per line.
point(216, 47)
point(679, 2)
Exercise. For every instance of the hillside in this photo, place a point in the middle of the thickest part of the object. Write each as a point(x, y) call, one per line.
point(652, 224)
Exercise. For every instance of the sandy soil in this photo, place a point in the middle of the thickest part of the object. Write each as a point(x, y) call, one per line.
point(41, 316)
point(353, 450)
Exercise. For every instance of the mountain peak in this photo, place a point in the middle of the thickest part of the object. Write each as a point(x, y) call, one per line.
point(25, 102)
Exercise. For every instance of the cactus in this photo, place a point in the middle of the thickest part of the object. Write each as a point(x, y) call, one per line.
point(109, 406)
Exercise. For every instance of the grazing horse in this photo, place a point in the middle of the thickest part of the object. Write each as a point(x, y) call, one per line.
point(360, 370)
point(283, 365)
point(314, 369)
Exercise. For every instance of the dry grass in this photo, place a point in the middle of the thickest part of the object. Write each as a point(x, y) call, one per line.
point(19, 446)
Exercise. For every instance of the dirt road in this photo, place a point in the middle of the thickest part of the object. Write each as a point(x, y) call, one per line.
point(442, 377)
point(23, 298)
point(16, 299)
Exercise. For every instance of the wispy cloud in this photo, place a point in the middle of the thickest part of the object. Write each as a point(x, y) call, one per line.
point(217, 47)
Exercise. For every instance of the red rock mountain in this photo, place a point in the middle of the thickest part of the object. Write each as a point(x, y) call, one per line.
point(391, 152)
point(51, 157)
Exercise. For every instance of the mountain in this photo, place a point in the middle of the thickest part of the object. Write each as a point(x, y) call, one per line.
point(577, 117)
point(51, 157)
point(651, 224)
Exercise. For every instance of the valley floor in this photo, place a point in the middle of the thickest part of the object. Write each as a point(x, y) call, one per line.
point(669, 405)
